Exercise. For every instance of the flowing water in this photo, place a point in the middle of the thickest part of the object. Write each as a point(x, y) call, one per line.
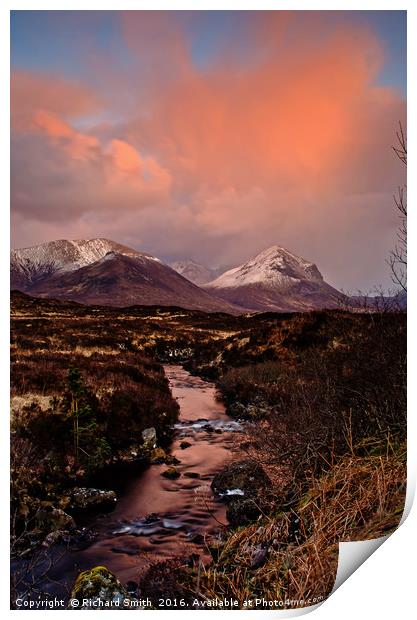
point(157, 518)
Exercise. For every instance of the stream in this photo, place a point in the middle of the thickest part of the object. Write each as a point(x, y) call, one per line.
point(157, 518)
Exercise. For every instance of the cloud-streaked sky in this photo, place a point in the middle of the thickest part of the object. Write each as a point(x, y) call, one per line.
point(211, 135)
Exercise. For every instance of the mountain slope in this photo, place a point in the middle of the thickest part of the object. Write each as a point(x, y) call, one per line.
point(100, 271)
point(275, 280)
point(194, 271)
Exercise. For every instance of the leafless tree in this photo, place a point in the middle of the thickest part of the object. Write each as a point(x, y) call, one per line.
point(398, 258)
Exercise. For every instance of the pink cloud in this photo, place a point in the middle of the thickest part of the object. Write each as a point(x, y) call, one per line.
point(33, 91)
point(78, 145)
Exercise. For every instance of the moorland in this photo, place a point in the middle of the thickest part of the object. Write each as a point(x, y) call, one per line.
point(321, 395)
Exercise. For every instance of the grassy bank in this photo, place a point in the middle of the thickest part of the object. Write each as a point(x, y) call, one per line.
point(359, 498)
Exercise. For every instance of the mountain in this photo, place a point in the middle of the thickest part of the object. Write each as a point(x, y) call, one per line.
point(30, 266)
point(100, 271)
point(194, 271)
point(275, 280)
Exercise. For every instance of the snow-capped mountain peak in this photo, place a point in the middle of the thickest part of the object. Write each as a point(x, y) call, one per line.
point(272, 267)
point(34, 263)
point(275, 280)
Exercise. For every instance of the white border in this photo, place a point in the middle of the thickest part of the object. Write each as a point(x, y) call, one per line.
point(383, 587)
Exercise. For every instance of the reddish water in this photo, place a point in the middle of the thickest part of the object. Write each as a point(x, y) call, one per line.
point(158, 518)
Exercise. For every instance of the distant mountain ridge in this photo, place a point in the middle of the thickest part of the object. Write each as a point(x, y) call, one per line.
point(101, 271)
point(193, 271)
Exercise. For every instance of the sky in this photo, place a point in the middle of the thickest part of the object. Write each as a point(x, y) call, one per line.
point(211, 135)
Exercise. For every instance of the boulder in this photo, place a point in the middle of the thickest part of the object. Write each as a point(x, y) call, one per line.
point(237, 410)
point(243, 485)
point(171, 473)
point(83, 538)
point(185, 444)
point(240, 479)
point(92, 499)
point(98, 588)
point(149, 438)
point(50, 519)
point(242, 512)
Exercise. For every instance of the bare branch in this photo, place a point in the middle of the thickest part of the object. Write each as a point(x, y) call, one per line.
point(398, 257)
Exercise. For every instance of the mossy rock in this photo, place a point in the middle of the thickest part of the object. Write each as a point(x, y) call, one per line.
point(98, 585)
point(158, 455)
point(244, 478)
point(92, 499)
point(49, 519)
point(171, 473)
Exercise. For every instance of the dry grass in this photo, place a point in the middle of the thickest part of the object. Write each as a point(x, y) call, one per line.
point(360, 498)
point(18, 403)
point(291, 571)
